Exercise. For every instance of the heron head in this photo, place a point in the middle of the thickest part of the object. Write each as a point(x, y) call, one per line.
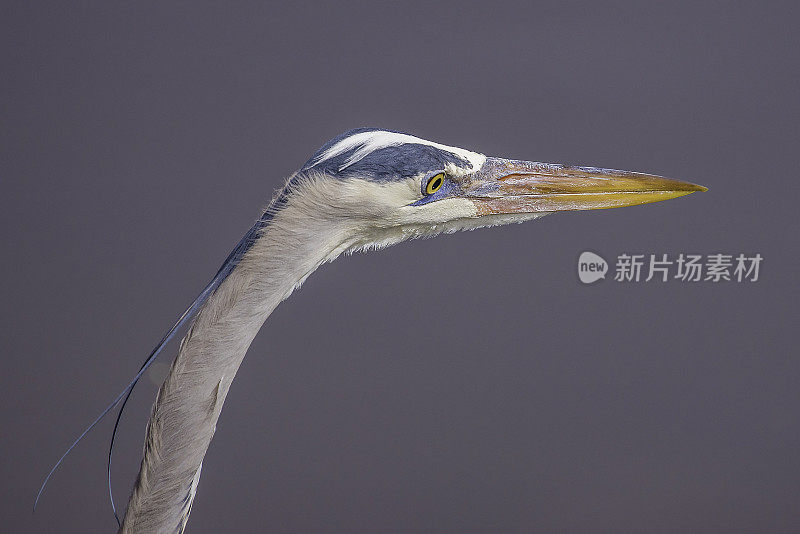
point(410, 186)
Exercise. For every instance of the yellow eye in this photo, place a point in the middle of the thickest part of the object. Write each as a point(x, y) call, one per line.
point(435, 183)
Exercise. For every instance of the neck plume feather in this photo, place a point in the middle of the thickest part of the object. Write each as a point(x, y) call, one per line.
point(300, 237)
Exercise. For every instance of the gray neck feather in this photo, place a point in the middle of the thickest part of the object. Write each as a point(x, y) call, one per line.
point(301, 237)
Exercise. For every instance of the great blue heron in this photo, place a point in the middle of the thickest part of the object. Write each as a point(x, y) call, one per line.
point(365, 189)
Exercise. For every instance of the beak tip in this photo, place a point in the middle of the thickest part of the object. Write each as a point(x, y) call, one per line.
point(688, 186)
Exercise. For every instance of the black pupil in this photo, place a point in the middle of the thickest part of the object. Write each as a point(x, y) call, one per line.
point(435, 183)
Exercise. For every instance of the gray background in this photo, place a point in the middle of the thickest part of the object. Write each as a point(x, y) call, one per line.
point(466, 383)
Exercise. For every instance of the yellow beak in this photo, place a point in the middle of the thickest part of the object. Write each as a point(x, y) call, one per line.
point(511, 186)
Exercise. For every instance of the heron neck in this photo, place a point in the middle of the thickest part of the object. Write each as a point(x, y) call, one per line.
point(189, 402)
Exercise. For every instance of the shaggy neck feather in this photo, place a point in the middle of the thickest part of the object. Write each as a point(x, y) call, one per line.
point(189, 402)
